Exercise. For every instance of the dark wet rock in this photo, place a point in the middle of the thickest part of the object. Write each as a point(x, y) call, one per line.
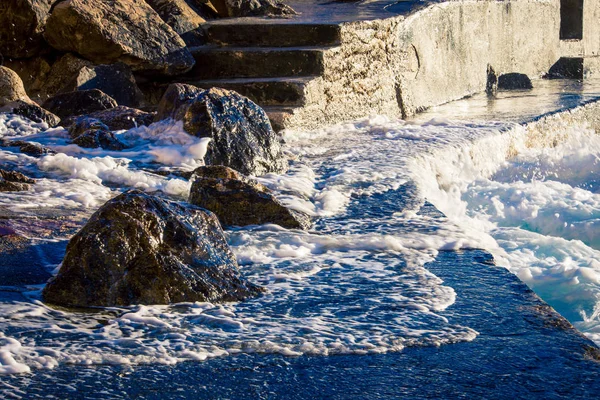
point(29, 148)
point(21, 27)
point(129, 31)
point(183, 18)
point(141, 249)
point(176, 95)
point(31, 111)
point(251, 8)
point(116, 118)
point(239, 201)
point(33, 72)
point(514, 81)
point(116, 80)
point(11, 87)
point(62, 72)
point(13, 181)
point(241, 133)
point(85, 124)
point(491, 87)
point(95, 138)
point(79, 102)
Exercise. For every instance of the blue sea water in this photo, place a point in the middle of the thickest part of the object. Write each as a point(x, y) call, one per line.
point(385, 297)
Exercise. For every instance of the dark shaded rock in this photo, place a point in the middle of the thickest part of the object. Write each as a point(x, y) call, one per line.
point(140, 249)
point(251, 8)
point(31, 111)
point(116, 118)
point(79, 102)
point(11, 87)
point(239, 201)
point(33, 72)
point(491, 87)
point(29, 148)
point(21, 26)
point(62, 72)
point(108, 31)
point(116, 80)
point(514, 81)
point(183, 18)
point(176, 95)
point(85, 124)
point(242, 136)
point(95, 138)
point(12, 181)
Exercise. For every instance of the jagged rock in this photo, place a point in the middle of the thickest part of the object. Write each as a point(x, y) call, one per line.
point(251, 8)
point(79, 102)
point(31, 111)
point(11, 87)
point(12, 181)
point(29, 148)
point(183, 18)
point(108, 31)
point(116, 80)
point(514, 81)
point(115, 119)
point(141, 249)
point(84, 124)
point(174, 97)
point(21, 26)
point(242, 136)
point(32, 71)
point(95, 138)
point(62, 72)
point(239, 201)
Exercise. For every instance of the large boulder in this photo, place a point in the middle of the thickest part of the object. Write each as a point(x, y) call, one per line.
point(183, 18)
point(176, 95)
point(12, 181)
point(114, 119)
point(11, 87)
point(116, 80)
point(31, 111)
point(62, 72)
point(514, 81)
point(241, 133)
point(141, 249)
point(79, 102)
point(108, 31)
point(33, 72)
point(21, 26)
point(251, 8)
point(239, 201)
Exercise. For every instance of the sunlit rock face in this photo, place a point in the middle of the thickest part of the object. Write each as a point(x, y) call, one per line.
point(141, 249)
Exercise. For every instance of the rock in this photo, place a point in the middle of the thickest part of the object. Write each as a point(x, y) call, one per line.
point(33, 72)
point(95, 138)
point(108, 31)
point(141, 249)
point(12, 181)
point(242, 136)
point(239, 201)
point(29, 148)
point(78, 103)
point(183, 18)
point(85, 124)
point(62, 72)
point(31, 111)
point(11, 87)
point(116, 80)
point(251, 8)
point(174, 97)
point(21, 26)
point(514, 81)
point(118, 118)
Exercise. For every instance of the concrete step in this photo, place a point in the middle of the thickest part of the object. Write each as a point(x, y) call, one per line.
point(255, 62)
point(288, 91)
point(272, 35)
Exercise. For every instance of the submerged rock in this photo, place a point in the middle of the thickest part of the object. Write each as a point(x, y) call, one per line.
point(114, 119)
point(141, 249)
point(183, 18)
point(12, 181)
point(85, 124)
point(95, 138)
point(241, 133)
point(31, 111)
point(251, 8)
point(240, 201)
point(29, 148)
point(21, 26)
point(129, 31)
point(79, 102)
point(514, 81)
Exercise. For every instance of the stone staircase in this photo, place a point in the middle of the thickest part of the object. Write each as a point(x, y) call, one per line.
point(270, 63)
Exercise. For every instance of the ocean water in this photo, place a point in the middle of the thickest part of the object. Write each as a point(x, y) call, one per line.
point(357, 283)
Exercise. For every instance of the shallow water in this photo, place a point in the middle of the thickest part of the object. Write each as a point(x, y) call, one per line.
point(359, 282)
